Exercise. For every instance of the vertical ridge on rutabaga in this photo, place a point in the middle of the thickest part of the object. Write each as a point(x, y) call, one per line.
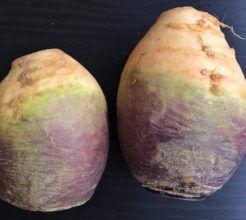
point(53, 132)
point(181, 106)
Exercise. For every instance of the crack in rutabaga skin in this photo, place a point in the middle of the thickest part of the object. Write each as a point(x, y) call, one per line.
point(53, 154)
point(179, 139)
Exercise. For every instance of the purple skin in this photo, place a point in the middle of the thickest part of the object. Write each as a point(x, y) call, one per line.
point(63, 157)
point(176, 142)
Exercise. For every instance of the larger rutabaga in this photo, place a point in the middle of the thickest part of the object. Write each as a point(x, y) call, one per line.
point(53, 132)
point(181, 106)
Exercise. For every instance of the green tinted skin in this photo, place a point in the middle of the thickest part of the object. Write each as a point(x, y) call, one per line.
point(178, 137)
point(38, 169)
point(35, 109)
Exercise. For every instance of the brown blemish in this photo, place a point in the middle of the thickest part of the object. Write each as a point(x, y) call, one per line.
point(205, 48)
point(201, 22)
point(216, 77)
point(200, 40)
point(214, 88)
point(195, 28)
point(141, 55)
point(134, 81)
point(144, 53)
point(204, 72)
point(24, 79)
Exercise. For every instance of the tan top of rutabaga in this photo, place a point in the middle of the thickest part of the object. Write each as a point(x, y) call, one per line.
point(189, 43)
point(38, 72)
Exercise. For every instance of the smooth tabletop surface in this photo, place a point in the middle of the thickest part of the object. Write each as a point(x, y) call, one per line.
point(100, 34)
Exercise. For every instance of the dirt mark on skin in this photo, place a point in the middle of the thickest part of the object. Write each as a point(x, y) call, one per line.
point(24, 79)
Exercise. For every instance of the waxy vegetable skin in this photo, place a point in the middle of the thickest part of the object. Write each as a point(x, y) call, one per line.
point(53, 132)
point(181, 106)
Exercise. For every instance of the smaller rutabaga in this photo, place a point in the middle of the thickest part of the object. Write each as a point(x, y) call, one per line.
point(53, 132)
point(181, 106)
